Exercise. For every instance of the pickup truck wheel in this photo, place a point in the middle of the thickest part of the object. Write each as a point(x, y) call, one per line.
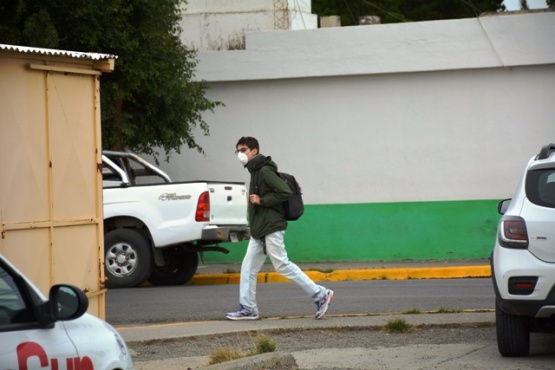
point(180, 267)
point(513, 333)
point(127, 258)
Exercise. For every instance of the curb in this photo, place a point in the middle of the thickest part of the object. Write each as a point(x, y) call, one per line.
point(454, 272)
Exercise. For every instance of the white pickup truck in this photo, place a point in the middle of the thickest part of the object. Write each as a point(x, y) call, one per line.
point(155, 229)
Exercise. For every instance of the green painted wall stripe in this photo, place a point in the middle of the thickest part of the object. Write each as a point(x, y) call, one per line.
point(387, 231)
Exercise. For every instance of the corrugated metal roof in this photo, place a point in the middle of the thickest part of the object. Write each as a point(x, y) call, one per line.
point(56, 52)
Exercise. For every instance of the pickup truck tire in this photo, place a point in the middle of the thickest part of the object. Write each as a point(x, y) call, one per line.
point(127, 258)
point(180, 267)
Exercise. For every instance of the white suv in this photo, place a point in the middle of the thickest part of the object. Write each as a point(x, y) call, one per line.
point(523, 259)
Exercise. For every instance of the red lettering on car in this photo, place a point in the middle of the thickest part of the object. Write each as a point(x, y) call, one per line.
point(27, 350)
point(76, 363)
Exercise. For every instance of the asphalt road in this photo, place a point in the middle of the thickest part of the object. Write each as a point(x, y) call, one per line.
point(211, 302)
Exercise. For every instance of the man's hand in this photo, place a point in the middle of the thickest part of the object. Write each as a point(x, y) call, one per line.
point(255, 199)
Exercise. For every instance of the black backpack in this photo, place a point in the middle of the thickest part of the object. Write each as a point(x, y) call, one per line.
point(293, 208)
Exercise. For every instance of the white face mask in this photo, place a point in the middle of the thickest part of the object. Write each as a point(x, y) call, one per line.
point(242, 158)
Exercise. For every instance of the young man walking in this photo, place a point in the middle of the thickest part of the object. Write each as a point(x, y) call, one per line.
point(267, 191)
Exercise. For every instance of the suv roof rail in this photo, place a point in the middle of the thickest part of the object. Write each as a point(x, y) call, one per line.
point(546, 151)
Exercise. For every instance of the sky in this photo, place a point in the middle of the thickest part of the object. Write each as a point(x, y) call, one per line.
point(532, 4)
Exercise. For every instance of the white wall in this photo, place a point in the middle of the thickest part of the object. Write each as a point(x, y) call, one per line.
point(491, 41)
point(426, 126)
point(222, 24)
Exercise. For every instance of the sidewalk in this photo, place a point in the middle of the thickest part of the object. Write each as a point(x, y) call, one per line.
point(355, 358)
point(462, 356)
point(197, 328)
point(332, 271)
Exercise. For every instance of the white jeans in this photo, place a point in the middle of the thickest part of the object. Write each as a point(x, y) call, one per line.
point(253, 261)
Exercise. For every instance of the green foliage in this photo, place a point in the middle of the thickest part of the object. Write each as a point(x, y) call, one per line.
point(448, 310)
point(150, 99)
point(397, 326)
point(262, 344)
point(413, 311)
point(395, 11)
point(224, 354)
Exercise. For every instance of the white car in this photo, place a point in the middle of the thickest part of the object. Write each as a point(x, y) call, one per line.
point(36, 333)
point(523, 258)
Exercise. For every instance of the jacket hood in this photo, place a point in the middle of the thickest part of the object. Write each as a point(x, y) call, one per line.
point(260, 161)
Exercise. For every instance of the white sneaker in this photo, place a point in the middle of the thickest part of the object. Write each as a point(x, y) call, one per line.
point(323, 304)
point(243, 313)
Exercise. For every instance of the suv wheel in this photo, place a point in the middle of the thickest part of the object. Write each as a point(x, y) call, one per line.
point(513, 333)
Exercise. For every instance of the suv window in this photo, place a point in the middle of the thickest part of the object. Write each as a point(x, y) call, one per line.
point(13, 308)
point(540, 187)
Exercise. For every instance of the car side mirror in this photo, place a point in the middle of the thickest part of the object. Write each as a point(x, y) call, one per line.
point(67, 302)
point(503, 206)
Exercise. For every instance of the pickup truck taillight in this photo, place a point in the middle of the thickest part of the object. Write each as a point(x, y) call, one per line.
point(203, 207)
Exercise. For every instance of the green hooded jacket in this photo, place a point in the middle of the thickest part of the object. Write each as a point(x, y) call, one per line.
point(267, 217)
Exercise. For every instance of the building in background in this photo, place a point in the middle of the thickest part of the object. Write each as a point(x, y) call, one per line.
point(222, 24)
point(403, 136)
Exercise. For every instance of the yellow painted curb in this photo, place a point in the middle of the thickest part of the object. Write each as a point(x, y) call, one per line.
point(362, 274)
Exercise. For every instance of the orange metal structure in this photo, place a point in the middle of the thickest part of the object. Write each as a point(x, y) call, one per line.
point(51, 214)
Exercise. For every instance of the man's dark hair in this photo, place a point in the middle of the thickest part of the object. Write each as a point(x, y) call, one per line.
point(249, 141)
